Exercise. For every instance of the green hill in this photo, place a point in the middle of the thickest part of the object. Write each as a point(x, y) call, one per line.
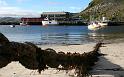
point(9, 20)
point(112, 9)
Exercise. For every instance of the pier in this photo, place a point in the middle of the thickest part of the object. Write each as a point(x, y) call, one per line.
point(71, 23)
point(116, 23)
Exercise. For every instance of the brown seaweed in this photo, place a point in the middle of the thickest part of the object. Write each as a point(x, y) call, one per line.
point(33, 57)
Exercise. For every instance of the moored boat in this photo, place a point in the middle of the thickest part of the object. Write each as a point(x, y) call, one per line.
point(97, 25)
point(12, 26)
point(46, 21)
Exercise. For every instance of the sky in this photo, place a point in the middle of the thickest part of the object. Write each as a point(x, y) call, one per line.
point(33, 8)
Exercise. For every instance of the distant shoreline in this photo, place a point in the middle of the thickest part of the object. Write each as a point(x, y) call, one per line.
point(60, 24)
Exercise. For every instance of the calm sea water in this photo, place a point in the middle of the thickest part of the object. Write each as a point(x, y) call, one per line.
point(61, 34)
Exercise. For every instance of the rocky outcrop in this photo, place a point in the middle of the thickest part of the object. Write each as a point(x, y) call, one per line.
point(3, 39)
point(13, 51)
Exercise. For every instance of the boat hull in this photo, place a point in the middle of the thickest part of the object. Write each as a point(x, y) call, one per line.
point(23, 24)
point(97, 26)
point(53, 22)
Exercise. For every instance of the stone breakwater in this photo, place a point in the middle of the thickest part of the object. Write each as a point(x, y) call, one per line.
point(33, 57)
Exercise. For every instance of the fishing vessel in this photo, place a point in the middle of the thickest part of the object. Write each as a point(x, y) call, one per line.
point(96, 25)
point(46, 21)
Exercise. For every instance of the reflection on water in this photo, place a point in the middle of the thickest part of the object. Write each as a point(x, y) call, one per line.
point(61, 34)
point(109, 34)
point(114, 37)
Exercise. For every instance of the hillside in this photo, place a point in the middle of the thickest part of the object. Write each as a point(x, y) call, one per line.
point(112, 9)
point(9, 20)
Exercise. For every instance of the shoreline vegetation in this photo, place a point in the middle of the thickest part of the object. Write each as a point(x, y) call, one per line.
point(41, 59)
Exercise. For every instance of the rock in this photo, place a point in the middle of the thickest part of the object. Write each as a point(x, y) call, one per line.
point(3, 39)
point(4, 61)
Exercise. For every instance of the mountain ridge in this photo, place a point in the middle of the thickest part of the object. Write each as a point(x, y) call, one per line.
point(112, 9)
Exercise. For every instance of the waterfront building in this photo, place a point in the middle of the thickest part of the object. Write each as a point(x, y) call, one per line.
point(32, 19)
point(56, 15)
point(37, 21)
point(59, 17)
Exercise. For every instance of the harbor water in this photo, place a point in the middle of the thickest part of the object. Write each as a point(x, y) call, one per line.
point(44, 35)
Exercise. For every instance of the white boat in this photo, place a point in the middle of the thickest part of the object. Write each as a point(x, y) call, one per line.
point(23, 24)
point(98, 24)
point(103, 23)
point(46, 21)
point(12, 26)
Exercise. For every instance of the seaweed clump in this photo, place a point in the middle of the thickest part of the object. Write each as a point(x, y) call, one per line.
point(33, 57)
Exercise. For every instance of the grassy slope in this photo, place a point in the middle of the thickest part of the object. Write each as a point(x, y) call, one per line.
point(112, 9)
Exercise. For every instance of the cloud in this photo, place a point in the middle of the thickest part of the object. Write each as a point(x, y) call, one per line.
point(10, 11)
point(74, 9)
point(20, 1)
point(53, 3)
point(17, 12)
point(3, 3)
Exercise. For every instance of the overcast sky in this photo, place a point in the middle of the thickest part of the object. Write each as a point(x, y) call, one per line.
point(36, 7)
